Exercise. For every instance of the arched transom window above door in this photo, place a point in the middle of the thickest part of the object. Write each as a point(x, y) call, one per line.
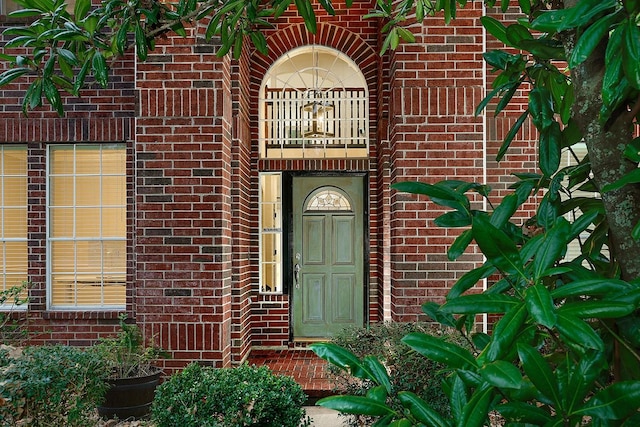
point(314, 104)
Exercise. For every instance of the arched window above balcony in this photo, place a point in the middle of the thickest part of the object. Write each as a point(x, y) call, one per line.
point(314, 104)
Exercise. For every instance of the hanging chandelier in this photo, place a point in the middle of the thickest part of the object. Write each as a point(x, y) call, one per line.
point(319, 116)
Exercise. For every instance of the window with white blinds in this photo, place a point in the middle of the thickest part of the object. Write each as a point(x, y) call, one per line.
point(86, 239)
point(573, 158)
point(13, 216)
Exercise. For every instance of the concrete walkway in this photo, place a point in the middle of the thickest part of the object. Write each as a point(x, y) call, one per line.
point(323, 417)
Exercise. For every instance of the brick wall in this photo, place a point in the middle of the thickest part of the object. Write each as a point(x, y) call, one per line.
point(435, 85)
point(184, 201)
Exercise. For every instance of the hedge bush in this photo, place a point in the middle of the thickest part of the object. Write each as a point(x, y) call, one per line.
point(229, 397)
point(408, 370)
point(49, 386)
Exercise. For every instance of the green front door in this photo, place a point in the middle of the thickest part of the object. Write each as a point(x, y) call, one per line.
point(328, 262)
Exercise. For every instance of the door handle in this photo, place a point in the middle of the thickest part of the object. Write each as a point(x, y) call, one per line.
point(296, 275)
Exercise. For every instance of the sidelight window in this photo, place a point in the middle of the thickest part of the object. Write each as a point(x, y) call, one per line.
point(271, 232)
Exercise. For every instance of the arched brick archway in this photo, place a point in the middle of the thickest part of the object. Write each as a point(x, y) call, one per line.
point(330, 35)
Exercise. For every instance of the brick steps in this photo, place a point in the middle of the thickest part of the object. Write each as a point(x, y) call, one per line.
point(302, 365)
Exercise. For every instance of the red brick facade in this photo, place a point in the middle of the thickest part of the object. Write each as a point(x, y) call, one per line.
point(189, 120)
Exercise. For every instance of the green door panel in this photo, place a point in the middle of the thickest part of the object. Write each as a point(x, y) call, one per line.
point(344, 308)
point(313, 293)
point(343, 239)
point(328, 247)
point(313, 240)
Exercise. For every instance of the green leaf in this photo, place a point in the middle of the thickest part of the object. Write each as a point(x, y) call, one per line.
point(378, 371)
point(541, 107)
point(100, 70)
point(306, 12)
point(355, 405)
point(597, 309)
point(480, 303)
point(342, 358)
point(502, 374)
point(421, 410)
point(432, 309)
point(453, 219)
point(499, 249)
point(579, 15)
point(616, 402)
point(543, 48)
point(459, 245)
point(496, 29)
point(581, 377)
point(12, 74)
point(378, 393)
point(80, 78)
point(53, 96)
point(33, 96)
point(540, 305)
point(553, 246)
point(441, 351)
point(549, 149)
point(504, 211)
point(476, 411)
point(522, 412)
point(578, 332)
point(516, 33)
point(590, 287)
point(68, 56)
point(81, 8)
point(511, 134)
point(504, 334)
point(525, 6)
point(631, 53)
point(469, 279)
point(540, 373)
point(632, 177)
point(440, 194)
point(590, 38)
point(141, 42)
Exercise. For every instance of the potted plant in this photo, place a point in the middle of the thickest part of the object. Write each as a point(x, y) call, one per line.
point(133, 377)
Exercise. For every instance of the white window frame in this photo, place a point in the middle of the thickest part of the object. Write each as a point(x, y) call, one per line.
point(102, 306)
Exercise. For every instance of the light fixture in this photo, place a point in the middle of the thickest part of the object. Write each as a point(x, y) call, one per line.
point(320, 116)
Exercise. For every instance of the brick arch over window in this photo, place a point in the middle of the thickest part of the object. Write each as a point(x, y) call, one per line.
point(328, 35)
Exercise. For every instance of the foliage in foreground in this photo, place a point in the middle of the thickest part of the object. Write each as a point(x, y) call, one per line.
point(126, 354)
point(563, 351)
point(45, 386)
point(229, 397)
point(408, 370)
point(13, 320)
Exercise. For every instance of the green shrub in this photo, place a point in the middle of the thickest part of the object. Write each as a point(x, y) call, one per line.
point(13, 321)
point(49, 386)
point(408, 370)
point(229, 397)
